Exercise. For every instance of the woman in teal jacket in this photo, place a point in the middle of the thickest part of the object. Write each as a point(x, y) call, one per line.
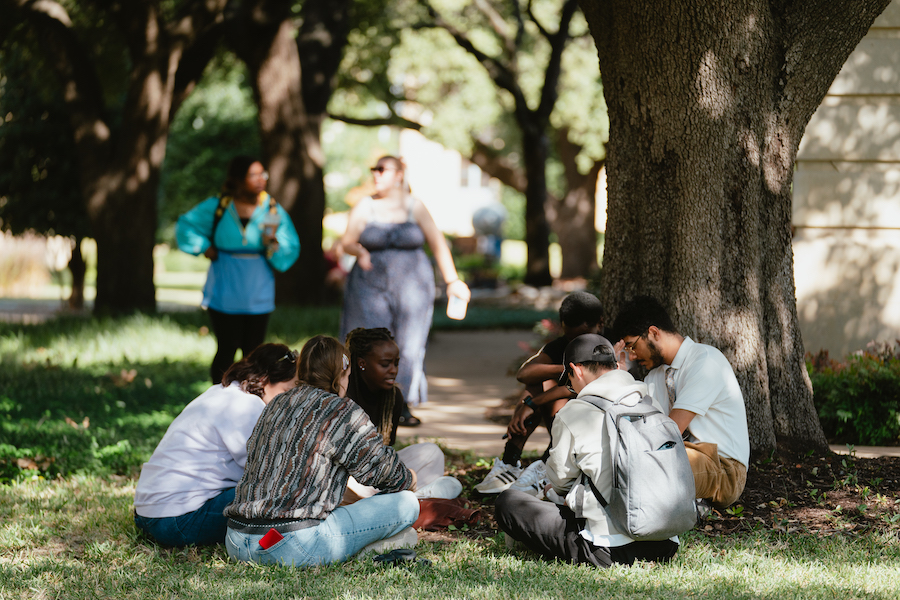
point(246, 234)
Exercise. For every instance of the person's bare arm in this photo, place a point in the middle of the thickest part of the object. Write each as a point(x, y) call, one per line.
point(441, 252)
point(682, 418)
point(523, 411)
point(538, 369)
point(349, 242)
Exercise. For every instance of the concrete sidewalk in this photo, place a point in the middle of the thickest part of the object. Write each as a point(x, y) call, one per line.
point(467, 376)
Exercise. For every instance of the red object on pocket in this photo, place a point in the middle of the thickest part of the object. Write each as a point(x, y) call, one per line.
point(270, 539)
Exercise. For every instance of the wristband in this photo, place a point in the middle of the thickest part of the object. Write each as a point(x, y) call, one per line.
point(527, 401)
point(452, 281)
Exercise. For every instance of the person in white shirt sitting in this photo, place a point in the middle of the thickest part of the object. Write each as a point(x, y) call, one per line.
point(696, 386)
point(191, 476)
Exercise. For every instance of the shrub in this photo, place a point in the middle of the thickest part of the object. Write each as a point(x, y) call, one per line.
point(858, 400)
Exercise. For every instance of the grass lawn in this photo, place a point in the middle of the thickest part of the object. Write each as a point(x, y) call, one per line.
point(84, 402)
point(74, 538)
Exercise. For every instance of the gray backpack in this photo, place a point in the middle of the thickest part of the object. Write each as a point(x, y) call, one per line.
point(653, 495)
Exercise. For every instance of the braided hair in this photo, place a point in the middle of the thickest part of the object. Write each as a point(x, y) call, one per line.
point(360, 342)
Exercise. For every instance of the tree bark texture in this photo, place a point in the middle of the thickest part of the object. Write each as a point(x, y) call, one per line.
point(120, 156)
point(573, 217)
point(707, 105)
point(292, 71)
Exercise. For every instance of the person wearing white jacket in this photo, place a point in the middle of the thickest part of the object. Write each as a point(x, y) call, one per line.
point(573, 526)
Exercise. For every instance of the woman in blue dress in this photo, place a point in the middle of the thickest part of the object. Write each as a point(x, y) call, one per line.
point(392, 283)
point(246, 234)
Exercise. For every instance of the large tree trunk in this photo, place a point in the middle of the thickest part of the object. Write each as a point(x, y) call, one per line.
point(573, 216)
point(707, 104)
point(537, 230)
point(78, 269)
point(119, 156)
point(123, 184)
point(292, 73)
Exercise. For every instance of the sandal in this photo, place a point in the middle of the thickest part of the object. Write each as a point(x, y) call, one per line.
point(407, 419)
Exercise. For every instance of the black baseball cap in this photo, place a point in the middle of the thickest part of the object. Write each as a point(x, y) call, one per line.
point(588, 347)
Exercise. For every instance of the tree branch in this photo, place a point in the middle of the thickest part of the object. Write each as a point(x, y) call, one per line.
point(534, 20)
point(834, 31)
point(394, 119)
point(83, 92)
point(495, 166)
point(499, 25)
point(558, 41)
point(499, 73)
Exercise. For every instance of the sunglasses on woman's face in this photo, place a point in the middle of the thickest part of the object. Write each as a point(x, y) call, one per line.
point(381, 169)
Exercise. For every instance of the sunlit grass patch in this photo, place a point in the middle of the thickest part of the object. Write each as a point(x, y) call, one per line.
point(74, 538)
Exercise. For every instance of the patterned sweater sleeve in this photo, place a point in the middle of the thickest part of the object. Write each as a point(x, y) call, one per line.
point(365, 456)
point(303, 449)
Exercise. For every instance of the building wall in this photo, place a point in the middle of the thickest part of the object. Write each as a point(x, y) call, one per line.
point(846, 212)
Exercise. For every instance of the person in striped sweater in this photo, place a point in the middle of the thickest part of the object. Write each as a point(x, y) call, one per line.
point(305, 446)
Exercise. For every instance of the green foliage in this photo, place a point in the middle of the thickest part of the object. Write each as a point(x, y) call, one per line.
point(216, 122)
point(858, 400)
point(514, 203)
point(39, 187)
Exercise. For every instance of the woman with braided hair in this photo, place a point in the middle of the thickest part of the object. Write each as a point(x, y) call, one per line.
point(374, 363)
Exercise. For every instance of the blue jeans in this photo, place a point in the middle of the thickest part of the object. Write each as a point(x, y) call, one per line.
point(346, 531)
point(202, 527)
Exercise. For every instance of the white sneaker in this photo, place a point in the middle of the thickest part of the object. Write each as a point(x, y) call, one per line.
point(442, 487)
point(405, 539)
point(500, 477)
point(532, 480)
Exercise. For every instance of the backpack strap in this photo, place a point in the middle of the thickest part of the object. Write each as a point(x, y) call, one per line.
point(594, 489)
point(602, 404)
point(224, 203)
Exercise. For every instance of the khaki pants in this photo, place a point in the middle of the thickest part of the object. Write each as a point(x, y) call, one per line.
point(718, 479)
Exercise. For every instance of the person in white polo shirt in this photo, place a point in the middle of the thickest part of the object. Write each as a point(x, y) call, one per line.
point(696, 385)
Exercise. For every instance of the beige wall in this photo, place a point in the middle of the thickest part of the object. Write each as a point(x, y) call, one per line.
point(847, 201)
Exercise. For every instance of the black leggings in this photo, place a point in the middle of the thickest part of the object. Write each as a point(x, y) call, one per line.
point(554, 532)
point(232, 332)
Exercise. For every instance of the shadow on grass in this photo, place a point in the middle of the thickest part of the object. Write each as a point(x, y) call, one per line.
point(82, 394)
point(752, 567)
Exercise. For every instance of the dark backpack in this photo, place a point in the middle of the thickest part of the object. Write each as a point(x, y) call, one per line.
point(653, 495)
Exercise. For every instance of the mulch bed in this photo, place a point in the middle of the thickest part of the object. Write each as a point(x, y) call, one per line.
point(805, 493)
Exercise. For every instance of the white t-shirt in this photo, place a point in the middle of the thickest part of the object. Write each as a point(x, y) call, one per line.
point(202, 453)
point(705, 385)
